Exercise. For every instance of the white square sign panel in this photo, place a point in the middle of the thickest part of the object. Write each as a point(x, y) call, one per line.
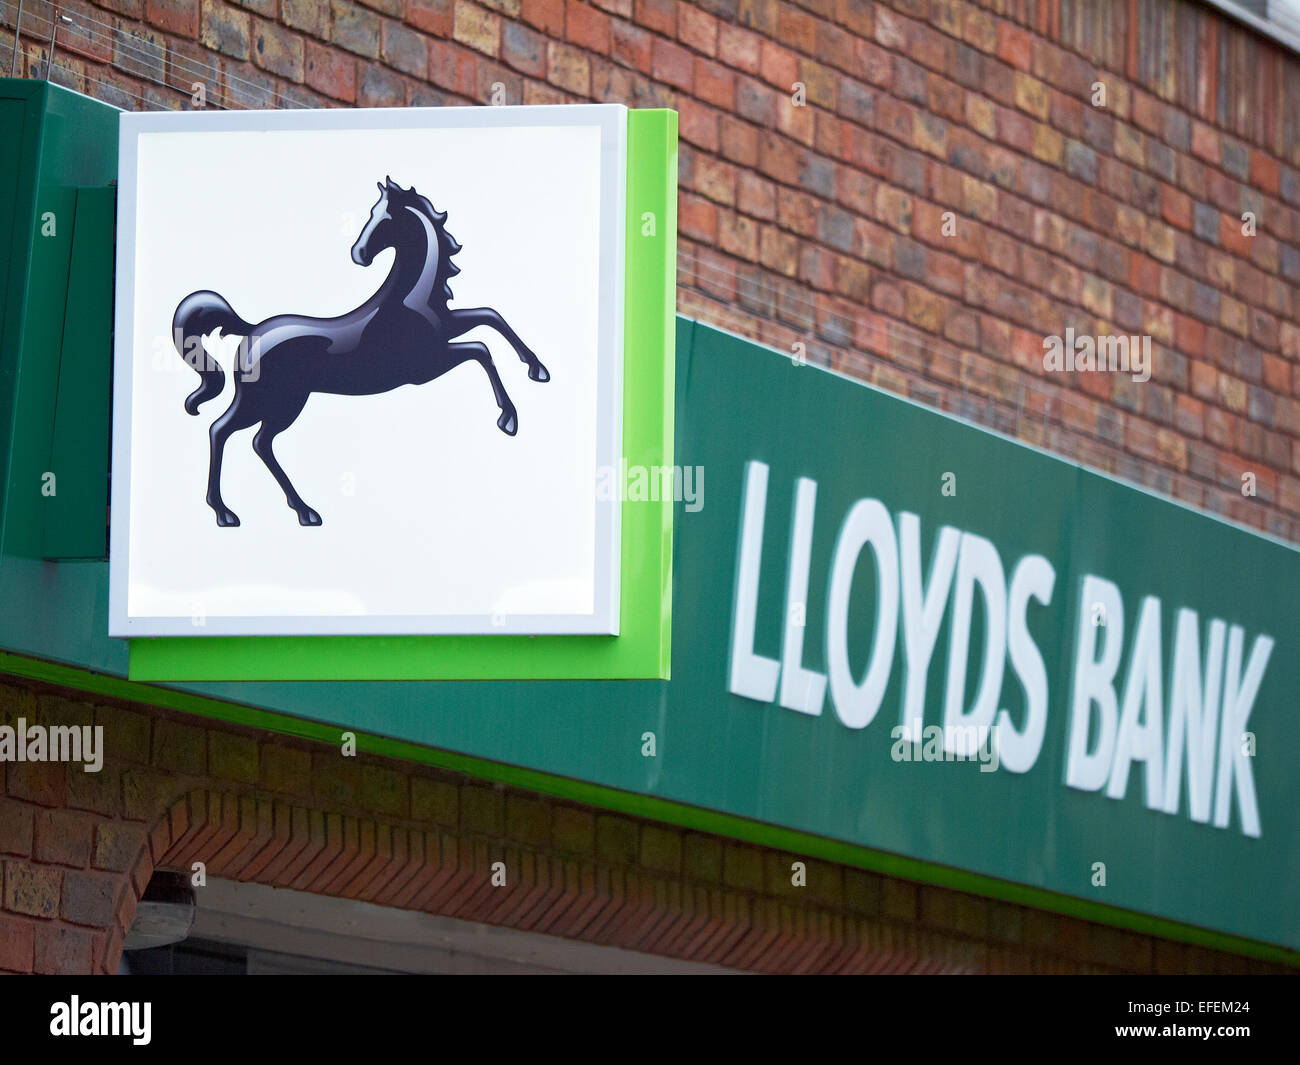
point(367, 371)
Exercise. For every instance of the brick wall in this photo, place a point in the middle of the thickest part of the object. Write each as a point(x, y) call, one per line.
point(77, 848)
point(823, 223)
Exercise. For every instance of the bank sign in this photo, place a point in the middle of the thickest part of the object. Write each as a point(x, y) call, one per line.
point(372, 367)
point(909, 639)
point(944, 644)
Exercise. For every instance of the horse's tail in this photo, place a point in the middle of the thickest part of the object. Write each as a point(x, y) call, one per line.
point(196, 316)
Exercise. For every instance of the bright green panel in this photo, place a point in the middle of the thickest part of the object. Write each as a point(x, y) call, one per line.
point(643, 647)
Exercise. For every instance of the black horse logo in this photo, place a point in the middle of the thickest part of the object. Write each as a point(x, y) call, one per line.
point(402, 335)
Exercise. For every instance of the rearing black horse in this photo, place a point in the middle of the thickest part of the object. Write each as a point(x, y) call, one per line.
point(402, 335)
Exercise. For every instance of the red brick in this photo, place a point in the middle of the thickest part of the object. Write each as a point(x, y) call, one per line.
point(39, 782)
point(698, 124)
point(697, 218)
point(697, 29)
point(17, 823)
point(1206, 143)
point(453, 68)
point(1205, 380)
point(1175, 207)
point(658, 15)
point(1265, 172)
point(63, 950)
point(1189, 335)
point(431, 16)
point(330, 72)
point(1277, 374)
point(714, 83)
point(586, 27)
point(1232, 237)
point(738, 235)
point(673, 64)
point(545, 15)
point(630, 45)
point(175, 16)
point(739, 48)
point(779, 66)
point(63, 838)
point(797, 28)
point(739, 141)
point(1014, 46)
point(17, 944)
point(755, 196)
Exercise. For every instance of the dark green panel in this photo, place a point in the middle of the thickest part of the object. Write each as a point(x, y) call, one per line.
point(76, 515)
point(38, 375)
point(20, 115)
point(68, 142)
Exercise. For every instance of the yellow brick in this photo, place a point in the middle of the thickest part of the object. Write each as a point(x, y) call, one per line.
point(479, 29)
point(1032, 95)
point(1232, 315)
point(1160, 241)
point(981, 116)
point(1048, 146)
point(568, 68)
point(981, 199)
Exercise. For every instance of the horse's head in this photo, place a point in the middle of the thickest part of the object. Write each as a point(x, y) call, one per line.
point(379, 231)
point(403, 218)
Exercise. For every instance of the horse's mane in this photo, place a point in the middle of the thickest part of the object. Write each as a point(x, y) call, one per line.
point(447, 246)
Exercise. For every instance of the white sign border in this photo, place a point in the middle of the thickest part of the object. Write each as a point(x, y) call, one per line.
point(612, 120)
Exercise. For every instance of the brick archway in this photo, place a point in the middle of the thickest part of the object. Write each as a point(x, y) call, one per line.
point(240, 837)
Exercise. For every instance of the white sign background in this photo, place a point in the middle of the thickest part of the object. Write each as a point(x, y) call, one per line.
point(433, 519)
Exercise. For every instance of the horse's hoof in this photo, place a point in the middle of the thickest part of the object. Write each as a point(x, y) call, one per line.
point(538, 372)
point(508, 423)
point(307, 516)
point(227, 519)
